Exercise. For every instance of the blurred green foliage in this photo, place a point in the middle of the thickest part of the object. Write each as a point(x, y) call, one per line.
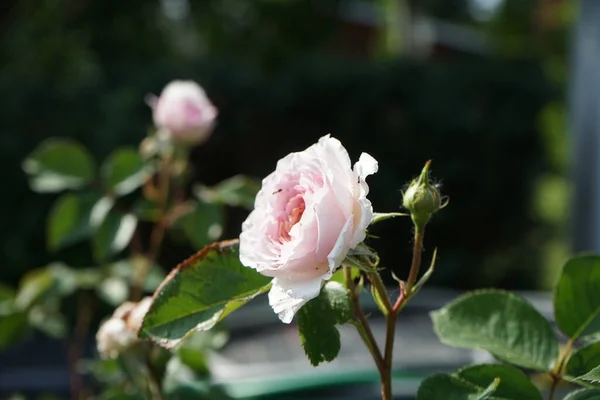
point(82, 69)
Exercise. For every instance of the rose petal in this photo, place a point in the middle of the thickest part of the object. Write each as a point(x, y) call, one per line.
point(366, 165)
point(340, 249)
point(286, 297)
point(363, 210)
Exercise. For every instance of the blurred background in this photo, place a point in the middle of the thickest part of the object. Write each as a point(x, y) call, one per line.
point(478, 86)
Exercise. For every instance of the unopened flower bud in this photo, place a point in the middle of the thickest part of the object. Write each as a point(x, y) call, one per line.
point(422, 198)
point(183, 112)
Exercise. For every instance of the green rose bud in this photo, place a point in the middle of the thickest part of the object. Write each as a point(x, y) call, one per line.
point(422, 198)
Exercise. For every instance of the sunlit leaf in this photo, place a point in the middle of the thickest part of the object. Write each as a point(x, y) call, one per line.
point(73, 216)
point(58, 164)
point(577, 297)
point(501, 323)
point(200, 292)
point(113, 235)
point(203, 225)
point(124, 171)
point(584, 394)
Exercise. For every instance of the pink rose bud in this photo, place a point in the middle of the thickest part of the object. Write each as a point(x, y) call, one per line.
point(184, 112)
point(308, 214)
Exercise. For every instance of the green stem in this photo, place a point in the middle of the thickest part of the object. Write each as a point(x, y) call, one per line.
point(558, 371)
point(154, 385)
point(416, 261)
point(405, 293)
point(381, 291)
point(386, 371)
point(362, 326)
point(555, 381)
point(134, 369)
point(158, 230)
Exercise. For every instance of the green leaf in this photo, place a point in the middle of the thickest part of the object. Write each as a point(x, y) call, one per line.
point(50, 322)
point(203, 225)
point(124, 171)
point(592, 376)
point(577, 298)
point(33, 286)
point(378, 217)
point(514, 384)
point(66, 279)
point(584, 360)
point(72, 217)
point(491, 389)
point(12, 328)
point(7, 299)
point(113, 235)
point(192, 351)
point(447, 387)
point(59, 164)
point(200, 292)
point(317, 320)
point(237, 191)
point(182, 383)
point(6, 292)
point(584, 394)
point(88, 278)
point(39, 285)
point(146, 210)
point(501, 323)
point(338, 276)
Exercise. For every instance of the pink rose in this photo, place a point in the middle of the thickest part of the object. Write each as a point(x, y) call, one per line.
point(308, 214)
point(184, 112)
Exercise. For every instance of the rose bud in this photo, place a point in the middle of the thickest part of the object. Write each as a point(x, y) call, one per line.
point(422, 198)
point(307, 215)
point(184, 112)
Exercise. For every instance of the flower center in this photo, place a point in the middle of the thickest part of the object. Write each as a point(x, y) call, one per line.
point(293, 212)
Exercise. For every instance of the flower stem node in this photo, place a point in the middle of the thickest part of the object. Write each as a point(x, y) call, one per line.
point(422, 198)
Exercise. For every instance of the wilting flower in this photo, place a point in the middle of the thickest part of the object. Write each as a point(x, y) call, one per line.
point(119, 332)
point(184, 112)
point(308, 214)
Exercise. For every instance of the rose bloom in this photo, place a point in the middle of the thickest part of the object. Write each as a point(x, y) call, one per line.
point(307, 215)
point(184, 112)
point(120, 331)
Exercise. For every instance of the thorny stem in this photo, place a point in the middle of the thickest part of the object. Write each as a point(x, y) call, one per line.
point(362, 326)
point(405, 293)
point(158, 230)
